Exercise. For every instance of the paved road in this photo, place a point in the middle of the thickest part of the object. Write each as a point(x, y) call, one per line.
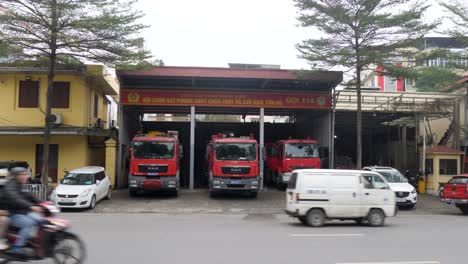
point(268, 238)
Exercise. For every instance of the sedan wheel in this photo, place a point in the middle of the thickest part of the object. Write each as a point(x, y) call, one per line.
point(109, 193)
point(92, 205)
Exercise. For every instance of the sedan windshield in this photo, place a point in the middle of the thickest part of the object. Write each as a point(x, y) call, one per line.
point(393, 176)
point(301, 150)
point(235, 151)
point(153, 150)
point(78, 179)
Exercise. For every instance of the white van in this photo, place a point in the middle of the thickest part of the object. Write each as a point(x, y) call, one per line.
point(314, 196)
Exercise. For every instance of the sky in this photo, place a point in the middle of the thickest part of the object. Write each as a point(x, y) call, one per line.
point(213, 33)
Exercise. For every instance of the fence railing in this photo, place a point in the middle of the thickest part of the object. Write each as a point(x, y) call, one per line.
point(38, 190)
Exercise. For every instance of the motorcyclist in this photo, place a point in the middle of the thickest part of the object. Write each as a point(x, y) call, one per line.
point(22, 206)
point(3, 223)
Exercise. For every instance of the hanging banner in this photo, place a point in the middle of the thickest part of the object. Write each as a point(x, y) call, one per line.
point(225, 99)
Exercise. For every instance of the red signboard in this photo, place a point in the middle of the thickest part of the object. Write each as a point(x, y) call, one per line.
point(226, 99)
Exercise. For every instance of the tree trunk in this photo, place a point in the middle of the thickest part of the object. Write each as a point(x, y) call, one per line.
point(50, 88)
point(47, 128)
point(359, 120)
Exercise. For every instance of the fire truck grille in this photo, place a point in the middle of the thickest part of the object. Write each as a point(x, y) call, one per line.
point(152, 168)
point(235, 170)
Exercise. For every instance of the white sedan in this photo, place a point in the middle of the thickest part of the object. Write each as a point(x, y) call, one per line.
point(82, 188)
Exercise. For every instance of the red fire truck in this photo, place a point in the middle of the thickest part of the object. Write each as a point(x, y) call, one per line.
point(154, 162)
point(284, 156)
point(232, 164)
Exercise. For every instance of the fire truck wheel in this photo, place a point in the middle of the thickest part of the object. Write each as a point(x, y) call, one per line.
point(213, 194)
point(281, 186)
point(175, 193)
point(253, 195)
point(132, 193)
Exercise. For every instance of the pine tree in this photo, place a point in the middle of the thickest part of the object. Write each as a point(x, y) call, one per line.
point(360, 34)
point(104, 31)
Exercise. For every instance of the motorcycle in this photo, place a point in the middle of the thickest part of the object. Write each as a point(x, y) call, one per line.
point(52, 240)
point(440, 191)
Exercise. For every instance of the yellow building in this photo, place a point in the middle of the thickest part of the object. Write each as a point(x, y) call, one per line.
point(80, 108)
point(442, 163)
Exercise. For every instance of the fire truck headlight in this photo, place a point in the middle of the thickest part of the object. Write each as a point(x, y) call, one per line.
point(254, 182)
point(132, 183)
point(216, 182)
point(172, 182)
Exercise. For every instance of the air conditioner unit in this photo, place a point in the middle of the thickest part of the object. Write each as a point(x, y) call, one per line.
point(56, 118)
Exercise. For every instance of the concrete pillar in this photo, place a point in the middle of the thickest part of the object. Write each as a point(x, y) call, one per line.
point(262, 144)
point(403, 147)
point(192, 148)
point(456, 126)
point(111, 155)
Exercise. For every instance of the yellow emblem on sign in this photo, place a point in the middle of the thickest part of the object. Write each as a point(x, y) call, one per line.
point(321, 101)
point(133, 97)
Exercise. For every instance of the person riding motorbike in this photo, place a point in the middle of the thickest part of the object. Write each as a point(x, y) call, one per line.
point(4, 221)
point(22, 206)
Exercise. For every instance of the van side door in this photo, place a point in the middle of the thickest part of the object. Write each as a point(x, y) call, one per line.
point(375, 193)
point(344, 196)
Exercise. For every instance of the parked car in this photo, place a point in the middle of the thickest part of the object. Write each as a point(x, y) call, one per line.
point(82, 188)
point(6, 166)
point(456, 192)
point(406, 194)
point(313, 196)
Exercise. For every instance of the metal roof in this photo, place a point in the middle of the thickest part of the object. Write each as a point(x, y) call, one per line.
point(397, 102)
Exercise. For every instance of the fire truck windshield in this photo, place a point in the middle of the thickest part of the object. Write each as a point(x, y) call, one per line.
point(235, 151)
point(301, 150)
point(153, 150)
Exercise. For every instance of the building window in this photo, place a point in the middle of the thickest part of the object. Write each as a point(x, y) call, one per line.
point(96, 105)
point(429, 166)
point(448, 166)
point(28, 94)
point(61, 95)
point(409, 82)
point(372, 79)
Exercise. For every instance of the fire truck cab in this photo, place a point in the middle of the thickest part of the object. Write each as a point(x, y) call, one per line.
point(154, 162)
point(233, 164)
point(284, 156)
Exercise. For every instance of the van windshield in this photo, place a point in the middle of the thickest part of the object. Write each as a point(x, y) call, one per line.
point(235, 151)
point(301, 150)
point(153, 150)
point(393, 176)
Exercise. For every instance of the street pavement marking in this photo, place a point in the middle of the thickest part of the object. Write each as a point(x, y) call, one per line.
point(403, 262)
point(327, 235)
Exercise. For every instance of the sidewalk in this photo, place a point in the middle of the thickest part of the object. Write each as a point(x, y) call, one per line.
point(198, 201)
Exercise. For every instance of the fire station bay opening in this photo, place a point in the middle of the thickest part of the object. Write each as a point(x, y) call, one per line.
point(268, 104)
point(272, 105)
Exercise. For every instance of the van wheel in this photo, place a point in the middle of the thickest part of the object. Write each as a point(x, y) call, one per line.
point(315, 218)
point(376, 218)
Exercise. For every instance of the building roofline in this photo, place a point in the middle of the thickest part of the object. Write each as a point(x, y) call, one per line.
point(239, 73)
